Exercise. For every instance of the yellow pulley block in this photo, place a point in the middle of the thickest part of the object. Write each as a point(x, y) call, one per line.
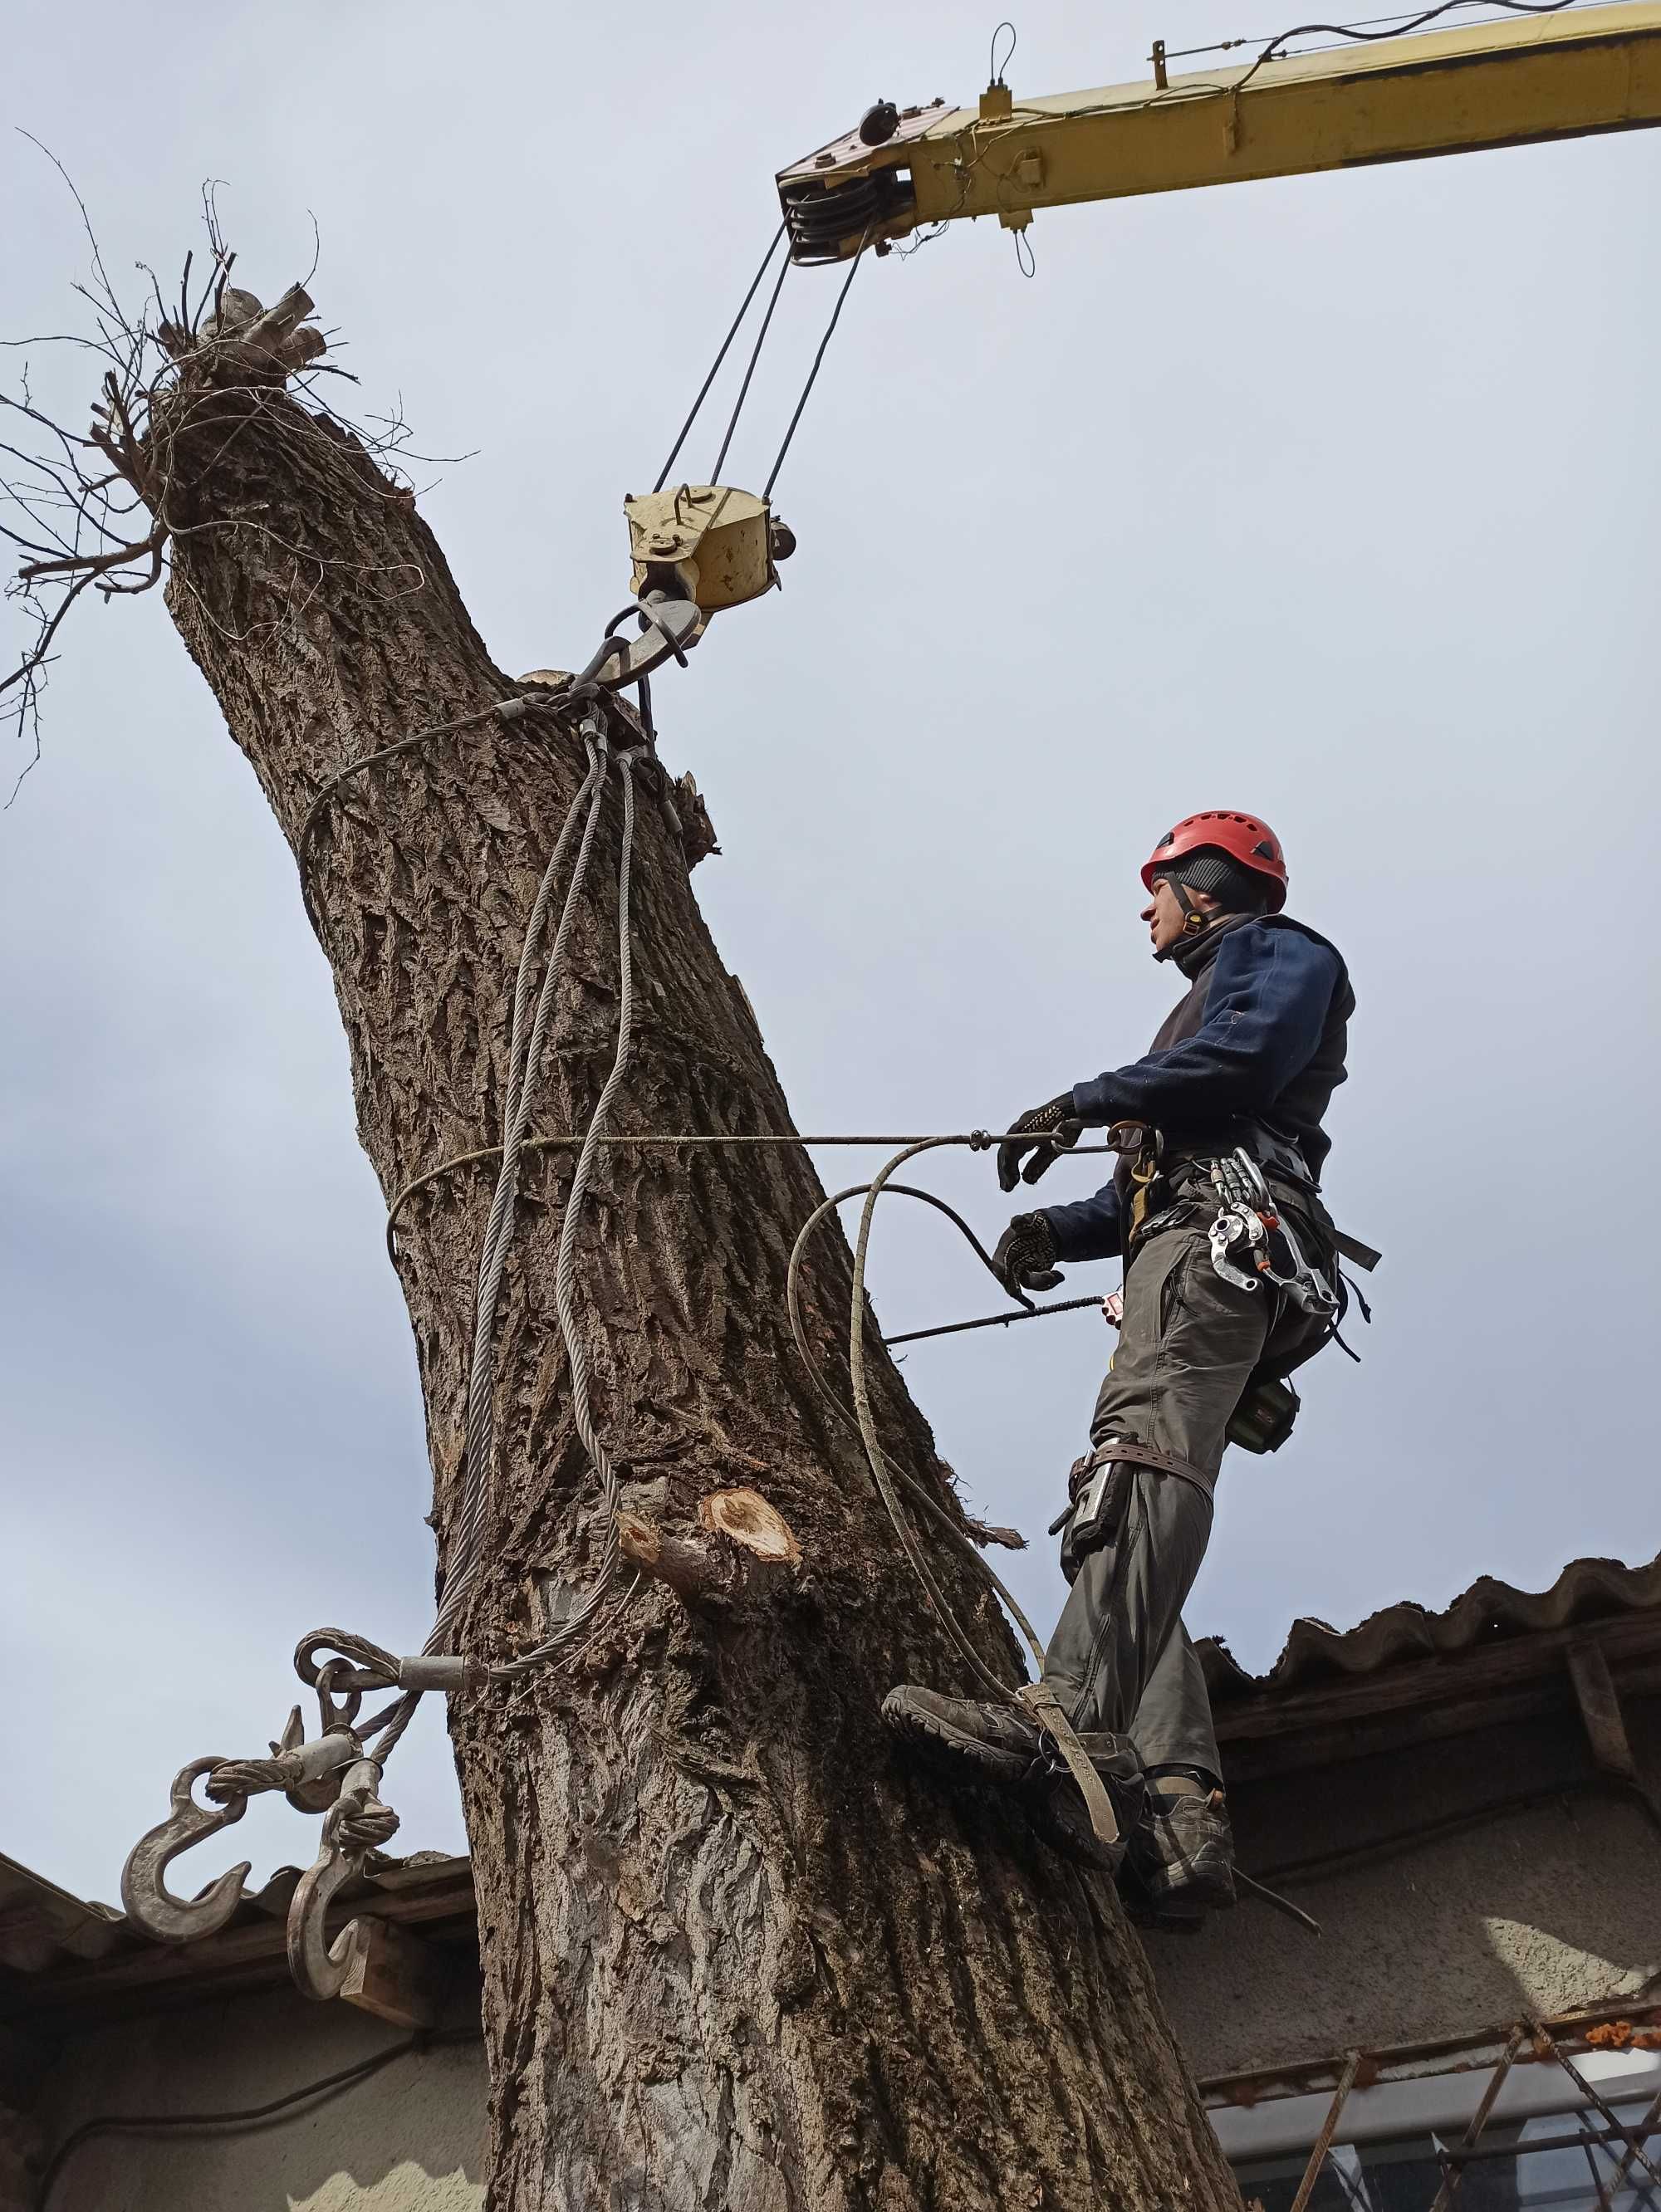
point(710, 543)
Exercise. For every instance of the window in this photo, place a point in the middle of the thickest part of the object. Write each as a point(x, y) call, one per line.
point(1555, 2162)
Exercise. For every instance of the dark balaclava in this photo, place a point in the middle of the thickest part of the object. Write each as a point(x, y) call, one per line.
point(1237, 890)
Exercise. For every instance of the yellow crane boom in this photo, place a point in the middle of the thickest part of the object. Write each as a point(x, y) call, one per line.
point(1511, 83)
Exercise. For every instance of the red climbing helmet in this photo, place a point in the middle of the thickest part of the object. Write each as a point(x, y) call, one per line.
point(1249, 842)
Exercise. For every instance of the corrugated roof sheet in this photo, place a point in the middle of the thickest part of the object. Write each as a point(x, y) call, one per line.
point(1489, 1611)
point(43, 1929)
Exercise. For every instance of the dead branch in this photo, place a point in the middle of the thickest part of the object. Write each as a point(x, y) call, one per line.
point(174, 375)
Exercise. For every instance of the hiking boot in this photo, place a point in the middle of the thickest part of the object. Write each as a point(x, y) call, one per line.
point(1062, 1816)
point(1002, 1744)
point(1181, 1852)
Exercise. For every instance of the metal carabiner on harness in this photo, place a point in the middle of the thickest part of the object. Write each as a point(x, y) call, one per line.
point(1248, 1216)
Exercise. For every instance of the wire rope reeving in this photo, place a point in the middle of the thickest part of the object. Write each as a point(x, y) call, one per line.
point(813, 373)
point(726, 345)
point(755, 355)
point(564, 1261)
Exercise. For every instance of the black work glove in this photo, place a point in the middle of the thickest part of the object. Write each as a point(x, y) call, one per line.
point(1053, 1127)
point(1025, 1256)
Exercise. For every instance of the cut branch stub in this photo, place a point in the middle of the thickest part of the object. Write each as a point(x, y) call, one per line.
point(244, 336)
point(687, 1569)
point(705, 1574)
point(746, 1517)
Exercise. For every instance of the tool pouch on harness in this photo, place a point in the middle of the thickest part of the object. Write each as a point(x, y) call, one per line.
point(1098, 1492)
point(1263, 1421)
point(1100, 1487)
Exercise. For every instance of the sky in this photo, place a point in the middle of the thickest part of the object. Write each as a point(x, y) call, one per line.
point(1331, 498)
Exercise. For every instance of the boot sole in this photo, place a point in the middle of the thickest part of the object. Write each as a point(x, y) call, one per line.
point(1206, 1884)
point(956, 1752)
point(954, 1748)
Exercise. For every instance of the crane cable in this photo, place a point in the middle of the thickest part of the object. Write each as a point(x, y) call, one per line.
point(726, 345)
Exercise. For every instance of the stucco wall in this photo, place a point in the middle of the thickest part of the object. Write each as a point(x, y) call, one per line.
point(1540, 1911)
point(408, 2139)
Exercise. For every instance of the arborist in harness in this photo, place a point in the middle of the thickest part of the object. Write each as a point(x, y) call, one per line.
point(1230, 1282)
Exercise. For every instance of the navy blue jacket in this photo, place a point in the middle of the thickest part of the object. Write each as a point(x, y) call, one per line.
point(1259, 1038)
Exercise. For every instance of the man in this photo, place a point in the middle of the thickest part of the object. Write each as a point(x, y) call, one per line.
point(1228, 1286)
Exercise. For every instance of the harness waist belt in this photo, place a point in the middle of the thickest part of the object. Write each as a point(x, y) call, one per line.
point(1165, 1463)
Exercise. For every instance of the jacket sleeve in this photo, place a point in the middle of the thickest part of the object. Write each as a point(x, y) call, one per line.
point(1089, 1229)
point(1270, 993)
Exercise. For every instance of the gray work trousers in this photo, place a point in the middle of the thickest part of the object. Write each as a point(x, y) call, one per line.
point(1121, 1659)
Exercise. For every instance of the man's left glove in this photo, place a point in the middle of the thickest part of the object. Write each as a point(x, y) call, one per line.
point(1043, 1132)
point(1025, 1256)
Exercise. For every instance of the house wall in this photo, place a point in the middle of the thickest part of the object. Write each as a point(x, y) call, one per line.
point(1539, 1910)
point(409, 2138)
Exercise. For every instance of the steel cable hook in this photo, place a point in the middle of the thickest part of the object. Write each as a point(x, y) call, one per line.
point(354, 1824)
point(145, 1897)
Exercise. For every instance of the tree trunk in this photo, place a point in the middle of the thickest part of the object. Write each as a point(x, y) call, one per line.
point(736, 1955)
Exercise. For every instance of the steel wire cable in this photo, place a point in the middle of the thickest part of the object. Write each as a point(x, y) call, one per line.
point(1362, 35)
point(1401, 23)
point(750, 371)
point(461, 1567)
point(481, 1424)
point(564, 1262)
point(503, 709)
point(813, 373)
point(959, 1534)
point(726, 345)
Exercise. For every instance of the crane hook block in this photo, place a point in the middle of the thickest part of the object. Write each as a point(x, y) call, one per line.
point(707, 543)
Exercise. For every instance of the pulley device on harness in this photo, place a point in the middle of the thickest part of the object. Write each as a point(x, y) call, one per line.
point(1249, 1223)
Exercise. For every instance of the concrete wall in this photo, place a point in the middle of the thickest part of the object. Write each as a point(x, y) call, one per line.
point(410, 2138)
point(1540, 1911)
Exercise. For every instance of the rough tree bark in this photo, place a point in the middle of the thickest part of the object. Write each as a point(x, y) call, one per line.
point(736, 1955)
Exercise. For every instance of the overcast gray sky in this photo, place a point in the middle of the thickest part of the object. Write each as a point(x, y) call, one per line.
point(1334, 498)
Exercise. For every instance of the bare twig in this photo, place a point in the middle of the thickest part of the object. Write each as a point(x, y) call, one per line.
point(174, 377)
